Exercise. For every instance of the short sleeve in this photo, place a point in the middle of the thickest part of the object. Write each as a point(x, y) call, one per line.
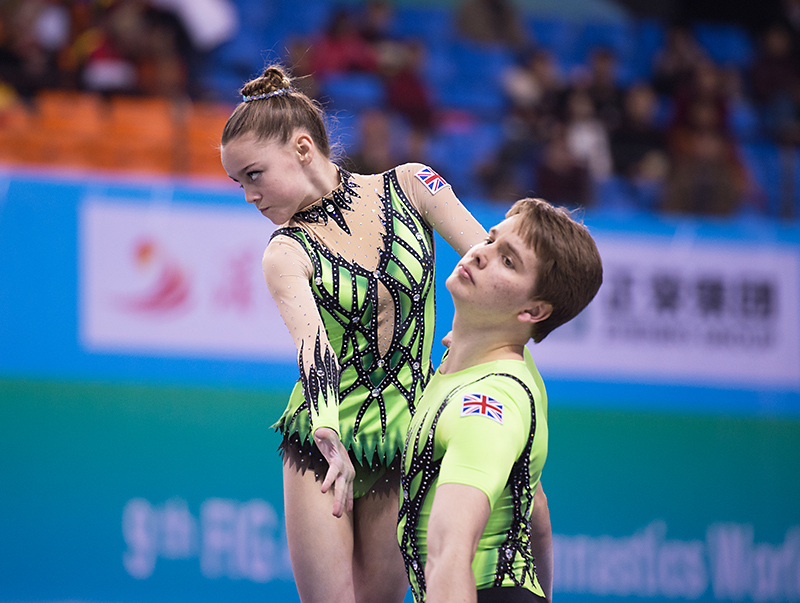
point(438, 205)
point(481, 443)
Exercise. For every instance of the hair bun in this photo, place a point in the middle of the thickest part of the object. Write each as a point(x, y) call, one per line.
point(274, 78)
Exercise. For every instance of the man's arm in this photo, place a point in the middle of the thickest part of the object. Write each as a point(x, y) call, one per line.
point(458, 518)
point(542, 542)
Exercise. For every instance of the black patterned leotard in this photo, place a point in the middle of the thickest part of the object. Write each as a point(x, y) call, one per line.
point(353, 277)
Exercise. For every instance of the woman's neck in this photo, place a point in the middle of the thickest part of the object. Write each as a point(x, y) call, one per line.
point(323, 178)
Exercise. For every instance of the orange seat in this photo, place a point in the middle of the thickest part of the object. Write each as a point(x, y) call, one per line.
point(153, 135)
point(73, 112)
point(153, 118)
point(136, 154)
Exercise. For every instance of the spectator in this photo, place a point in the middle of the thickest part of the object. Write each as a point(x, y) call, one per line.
point(603, 89)
point(704, 86)
point(342, 48)
point(775, 78)
point(406, 91)
point(774, 71)
point(638, 146)
point(299, 54)
point(491, 22)
point(561, 177)
point(375, 154)
point(113, 47)
point(10, 61)
point(533, 89)
point(376, 22)
point(586, 137)
point(35, 34)
point(208, 23)
point(675, 63)
point(164, 64)
point(707, 176)
point(534, 83)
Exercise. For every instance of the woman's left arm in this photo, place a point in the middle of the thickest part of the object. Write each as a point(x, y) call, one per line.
point(439, 206)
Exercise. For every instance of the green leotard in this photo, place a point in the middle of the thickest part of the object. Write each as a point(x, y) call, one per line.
point(485, 427)
point(353, 276)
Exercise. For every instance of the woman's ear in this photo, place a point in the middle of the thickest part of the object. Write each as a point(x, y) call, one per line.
point(304, 147)
point(537, 311)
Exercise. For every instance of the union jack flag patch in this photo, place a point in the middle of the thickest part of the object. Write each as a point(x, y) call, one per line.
point(433, 181)
point(481, 404)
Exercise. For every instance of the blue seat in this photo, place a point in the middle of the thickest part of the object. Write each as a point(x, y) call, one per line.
point(745, 121)
point(343, 129)
point(242, 53)
point(559, 36)
point(479, 64)
point(763, 164)
point(257, 14)
point(454, 158)
point(649, 40)
point(487, 103)
point(223, 85)
point(308, 17)
point(433, 25)
point(615, 36)
point(467, 76)
point(353, 91)
point(726, 44)
point(438, 67)
point(615, 195)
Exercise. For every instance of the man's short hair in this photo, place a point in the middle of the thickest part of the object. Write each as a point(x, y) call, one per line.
point(569, 272)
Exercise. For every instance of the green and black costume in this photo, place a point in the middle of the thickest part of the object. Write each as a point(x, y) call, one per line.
point(484, 427)
point(353, 277)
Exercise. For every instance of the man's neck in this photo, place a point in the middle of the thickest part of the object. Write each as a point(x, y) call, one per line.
point(470, 347)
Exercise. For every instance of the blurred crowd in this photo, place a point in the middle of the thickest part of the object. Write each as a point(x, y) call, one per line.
point(137, 47)
point(670, 139)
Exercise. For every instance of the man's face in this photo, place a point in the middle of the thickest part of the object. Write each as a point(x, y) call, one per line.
point(496, 277)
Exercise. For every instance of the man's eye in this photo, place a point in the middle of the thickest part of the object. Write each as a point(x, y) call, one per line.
point(507, 262)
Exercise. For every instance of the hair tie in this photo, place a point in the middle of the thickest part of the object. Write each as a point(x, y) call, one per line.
point(280, 92)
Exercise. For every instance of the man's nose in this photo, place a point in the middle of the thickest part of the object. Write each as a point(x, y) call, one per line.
point(481, 256)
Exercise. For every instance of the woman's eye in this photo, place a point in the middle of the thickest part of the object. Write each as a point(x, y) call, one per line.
point(253, 176)
point(507, 262)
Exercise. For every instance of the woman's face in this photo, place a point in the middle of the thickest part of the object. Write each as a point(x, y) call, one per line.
point(271, 173)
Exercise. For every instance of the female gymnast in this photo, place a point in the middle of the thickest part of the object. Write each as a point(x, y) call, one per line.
point(351, 268)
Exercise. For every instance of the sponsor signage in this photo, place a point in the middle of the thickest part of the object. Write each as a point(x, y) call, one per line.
point(712, 312)
point(176, 279)
point(727, 565)
point(186, 280)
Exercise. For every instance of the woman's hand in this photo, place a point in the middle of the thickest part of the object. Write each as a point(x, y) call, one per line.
point(340, 470)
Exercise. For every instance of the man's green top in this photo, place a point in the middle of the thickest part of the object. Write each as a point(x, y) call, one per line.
point(485, 427)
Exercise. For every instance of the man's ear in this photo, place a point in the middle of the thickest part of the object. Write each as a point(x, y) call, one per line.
point(537, 311)
point(304, 147)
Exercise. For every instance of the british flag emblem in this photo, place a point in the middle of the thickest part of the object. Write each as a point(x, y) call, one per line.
point(481, 404)
point(432, 180)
